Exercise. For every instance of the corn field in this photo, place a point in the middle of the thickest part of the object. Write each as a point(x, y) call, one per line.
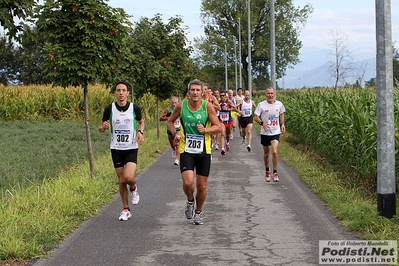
point(341, 125)
point(48, 103)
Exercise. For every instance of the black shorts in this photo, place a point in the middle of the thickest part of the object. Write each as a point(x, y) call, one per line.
point(266, 140)
point(121, 157)
point(201, 163)
point(244, 121)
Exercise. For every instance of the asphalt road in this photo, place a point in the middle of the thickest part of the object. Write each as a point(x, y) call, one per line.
point(247, 221)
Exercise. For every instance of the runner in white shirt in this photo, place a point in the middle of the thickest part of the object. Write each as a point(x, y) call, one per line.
point(125, 121)
point(270, 114)
point(230, 96)
point(246, 120)
point(239, 98)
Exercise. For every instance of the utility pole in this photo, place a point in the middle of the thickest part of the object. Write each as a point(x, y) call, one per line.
point(225, 67)
point(235, 63)
point(273, 47)
point(386, 187)
point(239, 51)
point(249, 50)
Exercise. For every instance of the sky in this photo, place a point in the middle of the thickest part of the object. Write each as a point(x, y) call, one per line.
point(189, 10)
point(355, 20)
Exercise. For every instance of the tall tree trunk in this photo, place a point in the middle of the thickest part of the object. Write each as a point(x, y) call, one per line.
point(88, 136)
point(157, 117)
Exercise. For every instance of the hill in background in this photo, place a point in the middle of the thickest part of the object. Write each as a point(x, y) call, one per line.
point(313, 70)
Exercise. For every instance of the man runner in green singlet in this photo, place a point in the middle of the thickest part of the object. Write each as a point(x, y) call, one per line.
point(198, 122)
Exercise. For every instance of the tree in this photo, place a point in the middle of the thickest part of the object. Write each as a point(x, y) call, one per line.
point(12, 9)
point(86, 42)
point(31, 57)
point(395, 54)
point(341, 67)
point(7, 58)
point(289, 21)
point(360, 72)
point(161, 64)
point(371, 83)
point(396, 65)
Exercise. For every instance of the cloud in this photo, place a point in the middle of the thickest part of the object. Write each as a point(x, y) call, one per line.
point(326, 15)
point(357, 26)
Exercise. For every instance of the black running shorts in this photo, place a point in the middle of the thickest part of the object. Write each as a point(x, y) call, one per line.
point(244, 121)
point(201, 163)
point(122, 157)
point(266, 140)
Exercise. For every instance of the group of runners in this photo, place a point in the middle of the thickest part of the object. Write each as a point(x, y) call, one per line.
point(231, 110)
point(195, 126)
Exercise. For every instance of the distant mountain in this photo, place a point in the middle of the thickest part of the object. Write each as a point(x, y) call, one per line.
point(313, 70)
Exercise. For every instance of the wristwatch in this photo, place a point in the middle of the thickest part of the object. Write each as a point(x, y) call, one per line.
point(261, 123)
point(141, 131)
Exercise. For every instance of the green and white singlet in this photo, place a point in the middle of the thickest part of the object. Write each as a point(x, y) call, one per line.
point(192, 141)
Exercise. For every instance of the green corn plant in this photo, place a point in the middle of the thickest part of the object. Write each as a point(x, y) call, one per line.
point(340, 125)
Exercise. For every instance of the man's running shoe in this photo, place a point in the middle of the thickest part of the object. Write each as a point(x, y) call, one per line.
point(268, 176)
point(227, 146)
point(216, 146)
point(135, 196)
point(249, 148)
point(223, 152)
point(125, 215)
point(189, 209)
point(275, 177)
point(176, 162)
point(198, 218)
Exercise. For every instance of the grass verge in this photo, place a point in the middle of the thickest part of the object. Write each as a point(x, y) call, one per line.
point(37, 218)
point(34, 151)
point(355, 207)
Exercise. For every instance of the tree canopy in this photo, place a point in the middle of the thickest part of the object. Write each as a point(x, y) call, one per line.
point(7, 58)
point(396, 65)
point(30, 57)
point(10, 10)
point(220, 19)
point(161, 61)
point(86, 41)
point(80, 42)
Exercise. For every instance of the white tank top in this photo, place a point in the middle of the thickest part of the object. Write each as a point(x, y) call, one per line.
point(246, 108)
point(239, 98)
point(123, 131)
